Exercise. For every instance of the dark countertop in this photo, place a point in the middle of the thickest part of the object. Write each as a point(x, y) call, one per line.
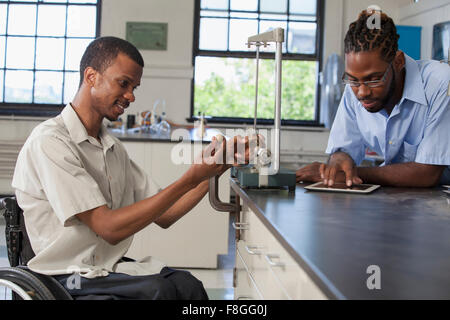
point(335, 237)
point(177, 134)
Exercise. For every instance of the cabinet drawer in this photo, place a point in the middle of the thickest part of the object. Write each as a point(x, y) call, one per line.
point(246, 287)
point(276, 273)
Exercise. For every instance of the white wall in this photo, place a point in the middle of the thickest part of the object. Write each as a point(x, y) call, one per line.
point(425, 14)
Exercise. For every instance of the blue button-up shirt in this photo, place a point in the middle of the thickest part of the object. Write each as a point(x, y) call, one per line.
point(417, 130)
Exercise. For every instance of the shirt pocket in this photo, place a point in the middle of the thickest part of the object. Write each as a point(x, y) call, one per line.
point(408, 152)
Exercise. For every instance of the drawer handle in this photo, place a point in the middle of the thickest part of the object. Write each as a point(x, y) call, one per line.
point(244, 298)
point(270, 257)
point(254, 250)
point(240, 225)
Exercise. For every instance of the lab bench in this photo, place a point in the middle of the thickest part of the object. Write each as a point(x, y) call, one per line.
point(324, 245)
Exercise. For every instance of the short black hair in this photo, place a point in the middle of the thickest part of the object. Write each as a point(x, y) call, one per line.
point(101, 52)
point(360, 37)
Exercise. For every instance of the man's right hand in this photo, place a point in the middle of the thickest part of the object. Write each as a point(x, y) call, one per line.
point(340, 168)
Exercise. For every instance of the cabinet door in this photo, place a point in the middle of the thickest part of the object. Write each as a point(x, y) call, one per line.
point(196, 239)
point(9, 151)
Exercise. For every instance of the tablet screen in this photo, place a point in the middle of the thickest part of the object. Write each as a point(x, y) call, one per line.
point(360, 187)
point(342, 187)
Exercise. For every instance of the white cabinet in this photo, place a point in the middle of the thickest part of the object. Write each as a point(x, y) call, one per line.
point(9, 150)
point(196, 239)
point(264, 269)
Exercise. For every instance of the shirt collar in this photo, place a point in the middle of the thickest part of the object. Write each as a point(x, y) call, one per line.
point(413, 89)
point(78, 132)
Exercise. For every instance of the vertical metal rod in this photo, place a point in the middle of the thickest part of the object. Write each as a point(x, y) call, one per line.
point(277, 118)
point(256, 87)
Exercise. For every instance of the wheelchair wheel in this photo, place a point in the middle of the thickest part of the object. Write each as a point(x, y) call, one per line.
point(19, 284)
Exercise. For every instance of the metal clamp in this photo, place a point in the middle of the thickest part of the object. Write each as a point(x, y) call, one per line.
point(214, 197)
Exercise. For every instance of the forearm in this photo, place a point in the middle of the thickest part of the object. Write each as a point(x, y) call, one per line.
point(117, 225)
point(410, 174)
point(183, 205)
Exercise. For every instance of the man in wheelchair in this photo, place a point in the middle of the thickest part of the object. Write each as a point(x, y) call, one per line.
point(83, 199)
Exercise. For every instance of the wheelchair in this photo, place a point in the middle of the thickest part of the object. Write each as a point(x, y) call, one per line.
point(18, 282)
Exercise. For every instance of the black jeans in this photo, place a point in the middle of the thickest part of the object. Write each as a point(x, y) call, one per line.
point(169, 284)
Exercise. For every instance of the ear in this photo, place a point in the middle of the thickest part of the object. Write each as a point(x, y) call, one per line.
point(90, 76)
point(399, 60)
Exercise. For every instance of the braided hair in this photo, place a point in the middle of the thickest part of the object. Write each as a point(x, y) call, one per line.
point(360, 37)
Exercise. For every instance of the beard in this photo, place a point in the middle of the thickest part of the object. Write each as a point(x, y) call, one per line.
point(385, 101)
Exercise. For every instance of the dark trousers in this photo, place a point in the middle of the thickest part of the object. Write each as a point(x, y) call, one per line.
point(169, 284)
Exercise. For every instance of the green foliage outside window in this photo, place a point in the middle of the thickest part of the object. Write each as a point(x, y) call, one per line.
point(225, 96)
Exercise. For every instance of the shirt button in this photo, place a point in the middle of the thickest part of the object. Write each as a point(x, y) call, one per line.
point(390, 142)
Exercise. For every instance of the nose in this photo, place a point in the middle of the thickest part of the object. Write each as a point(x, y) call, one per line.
point(129, 95)
point(363, 91)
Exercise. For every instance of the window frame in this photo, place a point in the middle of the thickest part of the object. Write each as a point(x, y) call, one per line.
point(320, 14)
point(42, 109)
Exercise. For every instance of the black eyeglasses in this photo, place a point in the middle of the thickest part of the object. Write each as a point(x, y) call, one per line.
point(370, 84)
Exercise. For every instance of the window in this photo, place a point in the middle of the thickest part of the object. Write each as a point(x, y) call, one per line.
point(41, 44)
point(224, 67)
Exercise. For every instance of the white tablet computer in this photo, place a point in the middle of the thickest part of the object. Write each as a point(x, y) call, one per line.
point(342, 187)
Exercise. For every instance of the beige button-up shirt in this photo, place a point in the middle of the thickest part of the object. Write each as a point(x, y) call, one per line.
point(62, 171)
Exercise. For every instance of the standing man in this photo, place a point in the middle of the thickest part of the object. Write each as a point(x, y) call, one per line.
point(84, 199)
point(393, 105)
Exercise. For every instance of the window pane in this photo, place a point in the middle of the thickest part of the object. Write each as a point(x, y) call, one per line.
point(302, 37)
point(214, 4)
point(82, 1)
point(266, 16)
point(302, 17)
point(265, 26)
point(74, 50)
point(2, 18)
point(81, 21)
point(1, 85)
point(240, 30)
point(302, 6)
point(225, 87)
point(244, 15)
point(49, 53)
point(18, 86)
point(22, 19)
point(213, 34)
point(2, 52)
point(299, 90)
point(210, 13)
point(71, 80)
point(273, 6)
point(20, 53)
point(48, 87)
point(245, 5)
point(51, 21)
